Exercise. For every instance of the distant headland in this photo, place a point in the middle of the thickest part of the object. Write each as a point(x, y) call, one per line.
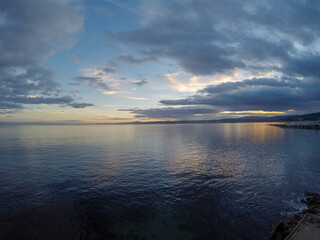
point(300, 124)
point(285, 119)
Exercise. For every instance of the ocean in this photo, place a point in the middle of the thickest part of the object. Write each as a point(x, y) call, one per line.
point(177, 181)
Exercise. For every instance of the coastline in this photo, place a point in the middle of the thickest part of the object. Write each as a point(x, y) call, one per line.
point(283, 227)
point(315, 125)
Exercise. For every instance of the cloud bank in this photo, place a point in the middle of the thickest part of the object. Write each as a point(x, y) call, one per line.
point(30, 32)
point(220, 37)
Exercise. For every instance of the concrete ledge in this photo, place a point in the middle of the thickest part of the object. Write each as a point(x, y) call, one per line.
point(307, 228)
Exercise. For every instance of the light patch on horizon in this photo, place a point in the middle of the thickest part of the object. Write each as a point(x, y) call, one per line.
point(51, 115)
point(254, 112)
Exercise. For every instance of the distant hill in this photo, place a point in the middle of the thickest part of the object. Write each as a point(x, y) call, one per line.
point(283, 118)
point(304, 117)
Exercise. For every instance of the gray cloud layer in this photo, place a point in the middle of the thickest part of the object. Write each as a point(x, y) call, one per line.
point(257, 94)
point(207, 37)
point(248, 95)
point(218, 37)
point(30, 32)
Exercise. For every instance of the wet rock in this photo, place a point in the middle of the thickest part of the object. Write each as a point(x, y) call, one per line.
point(282, 228)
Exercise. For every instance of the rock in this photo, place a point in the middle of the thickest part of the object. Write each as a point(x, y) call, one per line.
point(282, 228)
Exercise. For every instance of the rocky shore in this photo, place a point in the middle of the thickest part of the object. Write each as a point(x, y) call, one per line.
point(282, 228)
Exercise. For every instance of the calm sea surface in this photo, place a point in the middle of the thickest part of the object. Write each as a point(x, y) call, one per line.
point(195, 181)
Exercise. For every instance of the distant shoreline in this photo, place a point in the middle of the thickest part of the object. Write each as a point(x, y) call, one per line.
point(300, 125)
point(130, 123)
point(311, 117)
point(275, 123)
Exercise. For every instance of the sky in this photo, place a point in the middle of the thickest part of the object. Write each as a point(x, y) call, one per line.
point(102, 61)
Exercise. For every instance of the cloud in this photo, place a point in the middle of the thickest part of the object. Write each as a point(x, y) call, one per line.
point(257, 94)
point(31, 80)
point(9, 105)
point(80, 105)
point(32, 85)
point(106, 79)
point(31, 31)
point(305, 66)
point(275, 43)
point(7, 111)
point(17, 102)
point(124, 6)
point(248, 97)
point(109, 70)
point(210, 37)
point(135, 60)
point(140, 82)
point(185, 82)
point(40, 100)
point(94, 82)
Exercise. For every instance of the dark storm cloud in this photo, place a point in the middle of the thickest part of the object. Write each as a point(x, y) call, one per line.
point(170, 112)
point(30, 32)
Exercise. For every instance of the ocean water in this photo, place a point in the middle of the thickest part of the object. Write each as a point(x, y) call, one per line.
point(192, 181)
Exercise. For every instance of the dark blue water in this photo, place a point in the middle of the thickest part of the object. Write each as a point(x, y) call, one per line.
point(197, 181)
